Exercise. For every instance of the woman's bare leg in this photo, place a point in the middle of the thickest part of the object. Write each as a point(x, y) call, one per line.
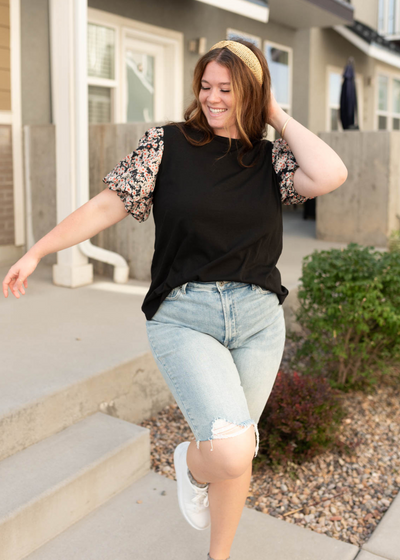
point(227, 500)
point(229, 457)
point(227, 492)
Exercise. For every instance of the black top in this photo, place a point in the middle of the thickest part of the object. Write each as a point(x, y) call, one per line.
point(214, 219)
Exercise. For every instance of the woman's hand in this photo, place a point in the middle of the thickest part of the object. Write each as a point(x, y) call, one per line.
point(18, 274)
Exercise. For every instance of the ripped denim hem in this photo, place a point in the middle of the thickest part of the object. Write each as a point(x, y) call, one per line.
point(221, 425)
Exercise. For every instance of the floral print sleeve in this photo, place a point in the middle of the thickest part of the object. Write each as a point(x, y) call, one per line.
point(285, 165)
point(134, 177)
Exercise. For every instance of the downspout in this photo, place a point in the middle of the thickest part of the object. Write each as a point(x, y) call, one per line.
point(121, 268)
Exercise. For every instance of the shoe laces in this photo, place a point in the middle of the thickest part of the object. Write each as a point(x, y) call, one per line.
point(200, 500)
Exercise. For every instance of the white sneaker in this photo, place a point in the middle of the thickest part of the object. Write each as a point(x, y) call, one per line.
point(193, 500)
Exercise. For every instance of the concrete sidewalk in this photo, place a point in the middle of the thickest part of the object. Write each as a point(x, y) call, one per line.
point(61, 347)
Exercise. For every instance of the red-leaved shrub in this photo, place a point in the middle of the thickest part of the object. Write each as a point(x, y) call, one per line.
point(300, 420)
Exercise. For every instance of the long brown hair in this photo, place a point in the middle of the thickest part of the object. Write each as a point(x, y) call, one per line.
point(251, 99)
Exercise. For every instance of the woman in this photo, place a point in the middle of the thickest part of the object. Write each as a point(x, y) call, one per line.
point(214, 315)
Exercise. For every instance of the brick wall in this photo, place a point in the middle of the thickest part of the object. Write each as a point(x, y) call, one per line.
point(6, 187)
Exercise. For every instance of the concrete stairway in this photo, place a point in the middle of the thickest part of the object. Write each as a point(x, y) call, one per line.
point(73, 461)
point(76, 376)
point(52, 484)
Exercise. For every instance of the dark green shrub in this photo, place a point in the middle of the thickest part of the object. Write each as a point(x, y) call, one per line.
point(300, 420)
point(350, 313)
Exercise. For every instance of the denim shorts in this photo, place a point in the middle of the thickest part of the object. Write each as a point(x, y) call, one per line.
point(219, 346)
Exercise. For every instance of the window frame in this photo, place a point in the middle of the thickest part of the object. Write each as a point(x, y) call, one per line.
point(171, 40)
point(287, 107)
point(114, 84)
point(384, 30)
point(390, 114)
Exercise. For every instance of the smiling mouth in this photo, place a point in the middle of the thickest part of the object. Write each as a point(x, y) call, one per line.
point(216, 113)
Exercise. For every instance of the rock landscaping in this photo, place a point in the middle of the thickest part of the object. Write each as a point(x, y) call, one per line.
point(344, 497)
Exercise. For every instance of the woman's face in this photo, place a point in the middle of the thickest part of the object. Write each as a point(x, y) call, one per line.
point(216, 93)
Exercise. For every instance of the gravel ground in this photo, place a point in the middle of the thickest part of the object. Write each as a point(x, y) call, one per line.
point(343, 497)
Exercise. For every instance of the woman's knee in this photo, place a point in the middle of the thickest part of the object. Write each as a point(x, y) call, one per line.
point(232, 447)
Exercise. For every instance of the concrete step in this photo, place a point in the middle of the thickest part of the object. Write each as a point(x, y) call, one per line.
point(143, 522)
point(69, 353)
point(51, 485)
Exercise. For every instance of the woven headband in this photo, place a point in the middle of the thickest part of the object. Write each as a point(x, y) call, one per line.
point(244, 53)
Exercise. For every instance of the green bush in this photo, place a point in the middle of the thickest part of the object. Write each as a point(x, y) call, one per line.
point(349, 309)
point(300, 420)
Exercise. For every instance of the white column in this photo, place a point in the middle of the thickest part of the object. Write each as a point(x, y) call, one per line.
point(68, 25)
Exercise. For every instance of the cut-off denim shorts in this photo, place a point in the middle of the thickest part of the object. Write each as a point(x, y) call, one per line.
point(219, 346)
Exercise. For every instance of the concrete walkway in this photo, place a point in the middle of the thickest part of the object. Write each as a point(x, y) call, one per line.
point(56, 337)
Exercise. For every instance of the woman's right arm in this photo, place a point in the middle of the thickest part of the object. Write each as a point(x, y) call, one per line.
point(99, 213)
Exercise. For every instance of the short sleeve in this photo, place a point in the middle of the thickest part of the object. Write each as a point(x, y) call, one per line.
point(135, 176)
point(285, 165)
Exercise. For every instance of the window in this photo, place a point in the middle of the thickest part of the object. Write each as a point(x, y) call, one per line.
point(388, 106)
point(389, 17)
point(101, 41)
point(131, 66)
point(143, 69)
point(392, 17)
point(99, 105)
point(280, 65)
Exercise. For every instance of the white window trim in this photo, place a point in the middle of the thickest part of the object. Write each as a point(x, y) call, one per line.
point(360, 97)
point(245, 34)
point(124, 26)
point(289, 50)
point(380, 71)
point(242, 7)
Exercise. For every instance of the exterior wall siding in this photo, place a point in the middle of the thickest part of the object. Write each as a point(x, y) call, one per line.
point(366, 12)
point(7, 236)
point(35, 62)
point(5, 85)
point(6, 187)
point(301, 76)
point(192, 18)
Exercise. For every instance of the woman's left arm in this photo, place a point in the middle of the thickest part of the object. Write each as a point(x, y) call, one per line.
point(321, 169)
